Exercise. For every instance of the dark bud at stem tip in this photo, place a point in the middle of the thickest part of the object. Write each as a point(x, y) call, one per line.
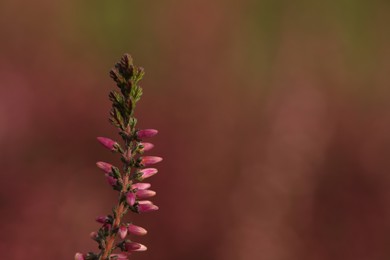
point(126, 60)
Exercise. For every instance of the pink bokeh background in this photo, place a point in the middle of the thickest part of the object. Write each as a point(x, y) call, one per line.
point(274, 120)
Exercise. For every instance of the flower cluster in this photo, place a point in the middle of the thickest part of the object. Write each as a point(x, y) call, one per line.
point(114, 234)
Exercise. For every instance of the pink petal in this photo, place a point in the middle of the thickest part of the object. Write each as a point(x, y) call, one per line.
point(130, 198)
point(111, 180)
point(137, 230)
point(147, 208)
point(101, 219)
point(108, 143)
point(144, 194)
point(148, 172)
point(122, 232)
point(141, 186)
point(147, 146)
point(146, 133)
point(143, 202)
point(148, 160)
point(78, 256)
point(135, 247)
point(93, 235)
point(106, 167)
point(119, 256)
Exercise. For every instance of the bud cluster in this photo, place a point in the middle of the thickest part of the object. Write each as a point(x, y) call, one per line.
point(133, 192)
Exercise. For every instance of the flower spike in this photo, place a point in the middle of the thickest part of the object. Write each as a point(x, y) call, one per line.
point(113, 232)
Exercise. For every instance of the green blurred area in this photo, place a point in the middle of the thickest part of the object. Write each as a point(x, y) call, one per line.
point(255, 36)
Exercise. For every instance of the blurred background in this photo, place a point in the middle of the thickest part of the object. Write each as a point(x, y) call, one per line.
point(274, 120)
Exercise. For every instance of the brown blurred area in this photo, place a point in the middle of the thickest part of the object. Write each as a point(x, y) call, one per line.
point(273, 121)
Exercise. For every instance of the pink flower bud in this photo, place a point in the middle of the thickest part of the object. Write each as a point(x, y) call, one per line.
point(119, 256)
point(146, 133)
point(108, 143)
point(93, 235)
point(107, 226)
point(147, 208)
point(101, 219)
point(144, 194)
point(148, 160)
point(130, 198)
point(147, 146)
point(135, 247)
point(145, 202)
point(106, 167)
point(78, 256)
point(111, 180)
point(148, 172)
point(136, 230)
point(122, 232)
point(141, 186)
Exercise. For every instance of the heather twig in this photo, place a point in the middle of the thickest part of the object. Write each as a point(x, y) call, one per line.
point(114, 233)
